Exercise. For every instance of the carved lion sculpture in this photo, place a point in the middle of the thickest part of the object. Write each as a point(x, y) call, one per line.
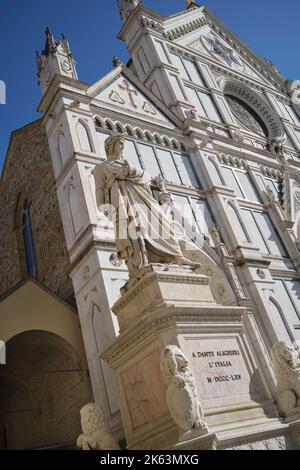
point(182, 398)
point(287, 369)
point(96, 434)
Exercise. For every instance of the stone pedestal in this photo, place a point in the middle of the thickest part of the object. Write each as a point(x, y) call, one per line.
point(195, 440)
point(172, 305)
point(157, 287)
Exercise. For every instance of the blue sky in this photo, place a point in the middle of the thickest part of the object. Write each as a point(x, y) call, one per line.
point(269, 27)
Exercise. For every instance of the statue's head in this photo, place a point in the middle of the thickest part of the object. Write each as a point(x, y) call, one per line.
point(92, 418)
point(114, 147)
point(173, 362)
point(285, 354)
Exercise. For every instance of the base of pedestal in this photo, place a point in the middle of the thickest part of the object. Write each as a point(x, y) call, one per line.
point(196, 440)
point(171, 305)
point(294, 427)
point(264, 437)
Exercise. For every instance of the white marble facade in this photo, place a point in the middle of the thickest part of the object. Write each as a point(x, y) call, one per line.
point(201, 110)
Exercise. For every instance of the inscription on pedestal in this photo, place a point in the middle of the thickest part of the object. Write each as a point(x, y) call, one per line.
point(219, 367)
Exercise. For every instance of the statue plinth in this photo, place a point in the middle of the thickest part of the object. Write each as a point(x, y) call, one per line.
point(189, 370)
point(159, 286)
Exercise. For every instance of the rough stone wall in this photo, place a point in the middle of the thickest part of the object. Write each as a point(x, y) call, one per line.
point(28, 174)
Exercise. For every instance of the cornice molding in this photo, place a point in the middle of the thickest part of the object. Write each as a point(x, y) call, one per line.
point(124, 344)
point(55, 84)
point(271, 172)
point(234, 161)
point(184, 29)
point(163, 276)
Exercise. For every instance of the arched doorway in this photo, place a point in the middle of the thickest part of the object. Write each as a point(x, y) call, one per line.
point(42, 388)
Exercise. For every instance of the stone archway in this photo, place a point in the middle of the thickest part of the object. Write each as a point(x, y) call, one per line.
point(42, 388)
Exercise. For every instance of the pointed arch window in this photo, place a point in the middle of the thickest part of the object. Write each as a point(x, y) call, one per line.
point(29, 241)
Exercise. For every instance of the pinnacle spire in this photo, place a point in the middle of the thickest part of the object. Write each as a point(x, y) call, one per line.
point(116, 62)
point(51, 43)
point(126, 7)
point(191, 3)
point(56, 58)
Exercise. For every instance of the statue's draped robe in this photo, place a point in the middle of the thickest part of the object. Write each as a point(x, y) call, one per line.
point(143, 233)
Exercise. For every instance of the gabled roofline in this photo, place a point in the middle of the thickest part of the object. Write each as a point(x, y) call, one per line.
point(46, 289)
point(263, 62)
point(104, 81)
point(139, 9)
point(166, 23)
point(124, 70)
point(211, 18)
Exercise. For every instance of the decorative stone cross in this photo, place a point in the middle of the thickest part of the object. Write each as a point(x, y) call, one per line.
point(130, 91)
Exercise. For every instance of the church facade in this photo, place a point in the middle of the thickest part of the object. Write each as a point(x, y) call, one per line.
point(217, 130)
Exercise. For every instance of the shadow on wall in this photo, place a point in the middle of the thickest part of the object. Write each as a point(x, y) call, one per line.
point(42, 389)
point(258, 395)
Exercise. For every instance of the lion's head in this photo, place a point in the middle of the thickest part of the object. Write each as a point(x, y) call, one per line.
point(284, 357)
point(92, 418)
point(173, 362)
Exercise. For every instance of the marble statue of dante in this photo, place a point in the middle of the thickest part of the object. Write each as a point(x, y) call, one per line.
point(143, 233)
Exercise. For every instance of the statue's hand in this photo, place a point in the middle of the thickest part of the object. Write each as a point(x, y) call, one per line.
point(123, 173)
